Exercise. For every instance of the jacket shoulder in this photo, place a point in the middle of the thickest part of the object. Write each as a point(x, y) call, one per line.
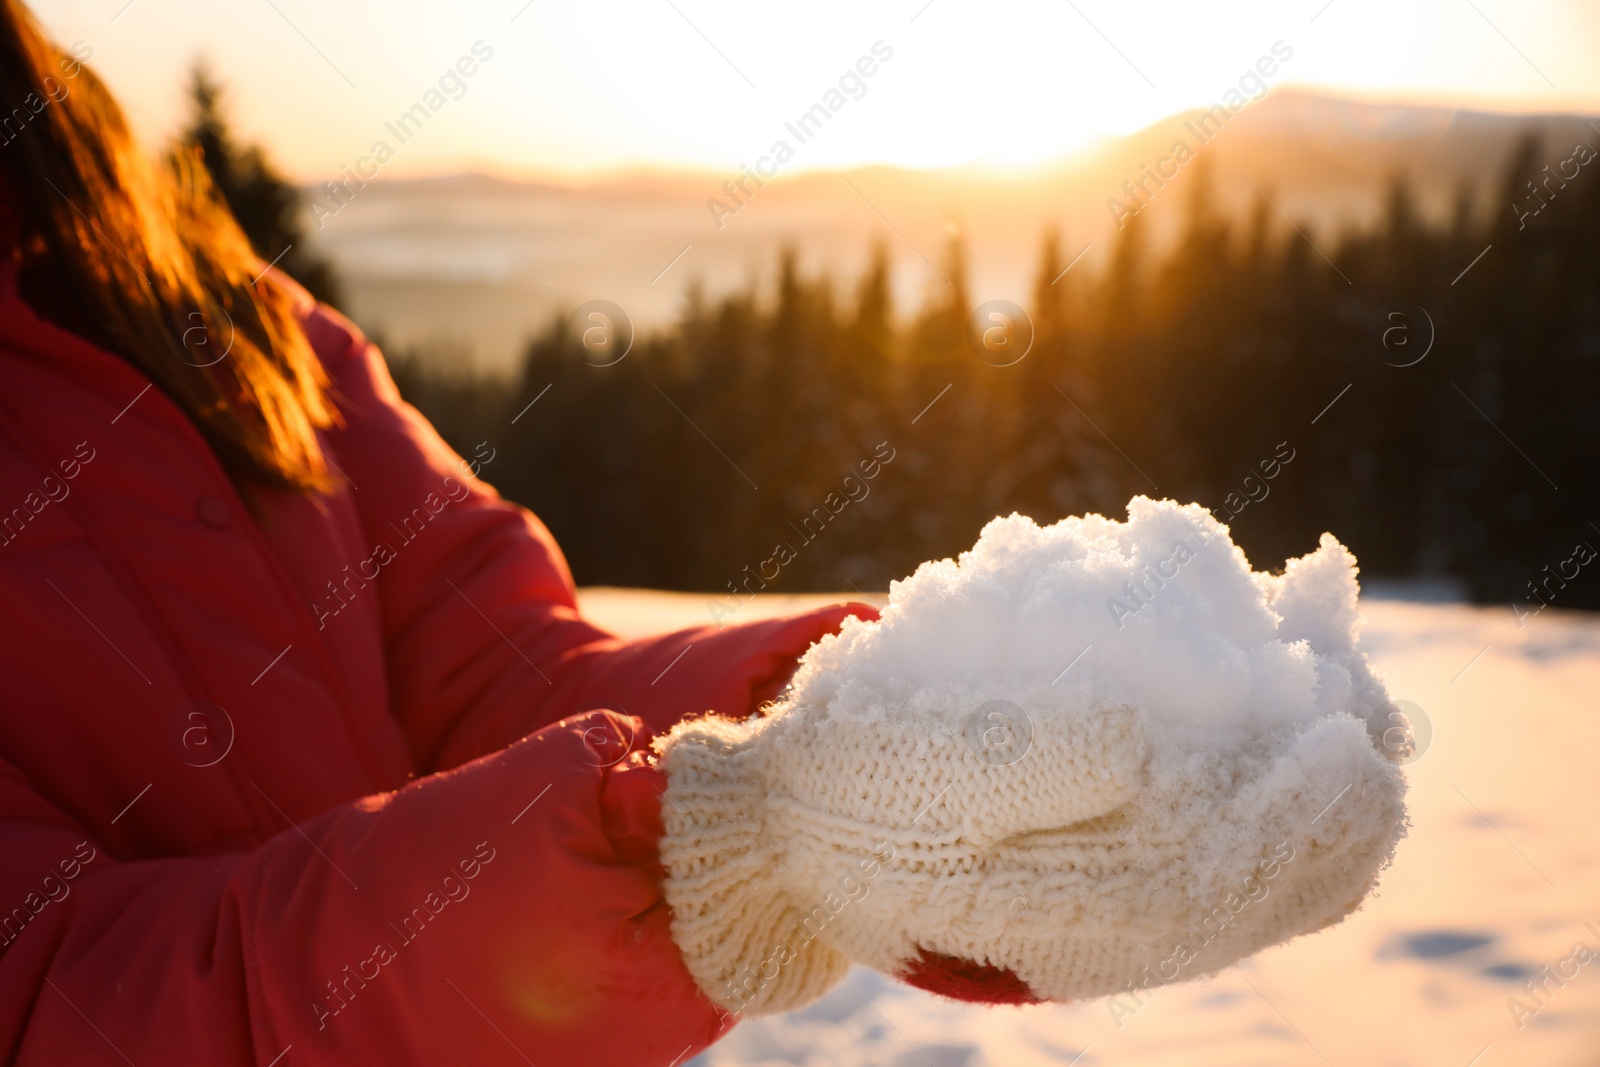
point(335, 339)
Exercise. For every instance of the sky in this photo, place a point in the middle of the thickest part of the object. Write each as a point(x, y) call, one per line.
point(568, 91)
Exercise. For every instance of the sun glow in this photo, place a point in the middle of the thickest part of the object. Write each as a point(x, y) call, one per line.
point(579, 89)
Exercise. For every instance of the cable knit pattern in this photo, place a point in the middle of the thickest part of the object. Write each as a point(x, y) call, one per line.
point(1008, 839)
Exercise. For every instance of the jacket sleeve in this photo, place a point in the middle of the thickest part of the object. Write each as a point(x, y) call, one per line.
point(480, 622)
point(505, 912)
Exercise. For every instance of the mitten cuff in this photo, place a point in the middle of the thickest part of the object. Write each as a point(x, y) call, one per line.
point(740, 935)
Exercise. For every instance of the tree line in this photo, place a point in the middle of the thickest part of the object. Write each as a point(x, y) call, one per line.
point(1426, 389)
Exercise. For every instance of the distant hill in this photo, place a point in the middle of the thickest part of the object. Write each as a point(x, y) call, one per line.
point(477, 264)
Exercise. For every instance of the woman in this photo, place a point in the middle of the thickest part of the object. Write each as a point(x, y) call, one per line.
point(300, 755)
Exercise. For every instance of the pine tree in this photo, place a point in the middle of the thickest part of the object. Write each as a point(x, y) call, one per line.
point(263, 202)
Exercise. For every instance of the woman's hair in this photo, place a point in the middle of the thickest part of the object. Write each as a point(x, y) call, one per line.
point(144, 259)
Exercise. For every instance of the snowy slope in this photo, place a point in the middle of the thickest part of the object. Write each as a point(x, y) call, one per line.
point(1497, 879)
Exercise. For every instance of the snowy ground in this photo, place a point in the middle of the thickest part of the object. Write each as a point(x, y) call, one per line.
point(1497, 880)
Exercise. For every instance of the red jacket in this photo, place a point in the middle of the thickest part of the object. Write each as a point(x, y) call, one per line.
point(288, 780)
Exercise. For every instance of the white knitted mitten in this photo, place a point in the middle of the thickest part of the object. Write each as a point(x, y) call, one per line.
point(924, 801)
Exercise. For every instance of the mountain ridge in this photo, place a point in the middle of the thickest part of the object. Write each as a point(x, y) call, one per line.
point(482, 261)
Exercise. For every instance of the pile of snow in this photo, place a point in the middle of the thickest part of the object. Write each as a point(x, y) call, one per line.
point(1258, 711)
point(1161, 612)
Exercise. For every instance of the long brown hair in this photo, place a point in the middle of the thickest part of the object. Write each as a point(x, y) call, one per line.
point(143, 258)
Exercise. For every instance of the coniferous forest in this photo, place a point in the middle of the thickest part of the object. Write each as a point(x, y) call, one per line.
point(812, 435)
